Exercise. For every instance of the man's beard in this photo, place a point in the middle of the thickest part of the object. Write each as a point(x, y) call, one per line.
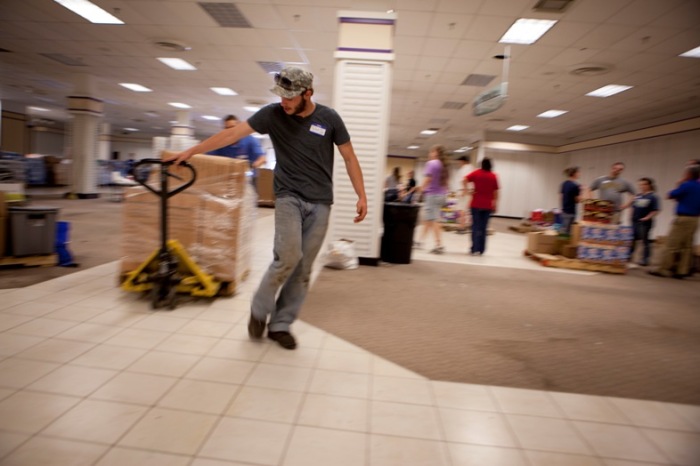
point(300, 108)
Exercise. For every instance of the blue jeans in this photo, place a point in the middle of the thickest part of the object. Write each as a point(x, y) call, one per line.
point(300, 228)
point(641, 232)
point(566, 221)
point(480, 223)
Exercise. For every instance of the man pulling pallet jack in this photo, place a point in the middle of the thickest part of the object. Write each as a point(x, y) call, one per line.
point(303, 134)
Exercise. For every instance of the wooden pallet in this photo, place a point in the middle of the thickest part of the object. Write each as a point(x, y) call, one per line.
point(30, 261)
point(549, 260)
point(525, 228)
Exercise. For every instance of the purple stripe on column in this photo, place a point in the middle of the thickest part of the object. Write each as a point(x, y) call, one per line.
point(353, 49)
point(386, 22)
point(86, 97)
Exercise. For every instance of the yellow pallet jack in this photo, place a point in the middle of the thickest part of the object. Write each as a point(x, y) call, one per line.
point(169, 270)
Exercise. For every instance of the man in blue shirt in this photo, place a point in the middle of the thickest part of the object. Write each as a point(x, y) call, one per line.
point(680, 238)
point(247, 148)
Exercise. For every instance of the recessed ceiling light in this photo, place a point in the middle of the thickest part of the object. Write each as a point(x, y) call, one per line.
point(89, 11)
point(429, 132)
point(130, 129)
point(136, 87)
point(211, 117)
point(412, 147)
point(526, 31)
point(517, 128)
point(251, 108)
point(607, 91)
point(179, 105)
point(463, 149)
point(552, 113)
point(177, 64)
point(38, 109)
point(694, 53)
point(223, 91)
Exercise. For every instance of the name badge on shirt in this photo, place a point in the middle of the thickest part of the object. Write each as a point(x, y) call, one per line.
point(318, 129)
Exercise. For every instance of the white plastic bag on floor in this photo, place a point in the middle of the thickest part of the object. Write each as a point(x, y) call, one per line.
point(341, 255)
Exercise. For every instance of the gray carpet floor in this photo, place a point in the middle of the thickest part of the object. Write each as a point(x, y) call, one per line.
point(632, 336)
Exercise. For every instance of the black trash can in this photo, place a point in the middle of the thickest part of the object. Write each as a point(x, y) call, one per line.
point(399, 223)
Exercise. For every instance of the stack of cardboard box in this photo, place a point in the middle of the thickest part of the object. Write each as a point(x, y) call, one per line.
point(604, 243)
point(212, 219)
point(265, 185)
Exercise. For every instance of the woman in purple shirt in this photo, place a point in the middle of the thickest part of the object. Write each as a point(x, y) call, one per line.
point(434, 188)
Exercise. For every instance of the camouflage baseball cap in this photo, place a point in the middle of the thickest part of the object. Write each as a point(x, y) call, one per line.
point(292, 81)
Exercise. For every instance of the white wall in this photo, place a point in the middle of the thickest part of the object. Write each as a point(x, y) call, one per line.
point(531, 180)
point(527, 180)
point(661, 158)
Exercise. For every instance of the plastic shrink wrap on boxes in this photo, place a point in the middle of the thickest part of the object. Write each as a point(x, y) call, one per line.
point(212, 219)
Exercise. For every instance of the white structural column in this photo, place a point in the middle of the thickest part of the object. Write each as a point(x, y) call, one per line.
point(181, 131)
point(87, 111)
point(362, 91)
point(104, 141)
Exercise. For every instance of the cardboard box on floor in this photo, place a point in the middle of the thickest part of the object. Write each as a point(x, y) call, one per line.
point(265, 186)
point(539, 242)
point(212, 219)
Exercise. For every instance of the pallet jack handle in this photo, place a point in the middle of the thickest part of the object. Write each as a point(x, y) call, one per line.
point(164, 193)
point(164, 177)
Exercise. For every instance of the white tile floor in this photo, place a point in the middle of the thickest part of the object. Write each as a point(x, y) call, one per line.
point(90, 375)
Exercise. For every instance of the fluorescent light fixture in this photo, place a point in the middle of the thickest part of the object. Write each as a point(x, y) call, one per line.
point(179, 105)
point(211, 117)
point(223, 91)
point(526, 31)
point(552, 113)
point(412, 147)
point(517, 128)
point(136, 87)
point(130, 129)
point(251, 108)
point(38, 109)
point(607, 91)
point(177, 64)
point(694, 53)
point(89, 11)
point(429, 132)
point(463, 149)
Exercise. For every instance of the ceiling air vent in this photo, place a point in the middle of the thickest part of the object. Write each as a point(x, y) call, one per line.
point(552, 6)
point(59, 57)
point(479, 80)
point(227, 15)
point(172, 45)
point(453, 105)
point(589, 69)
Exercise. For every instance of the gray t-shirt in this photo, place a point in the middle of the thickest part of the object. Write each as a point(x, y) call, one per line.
point(303, 149)
point(611, 189)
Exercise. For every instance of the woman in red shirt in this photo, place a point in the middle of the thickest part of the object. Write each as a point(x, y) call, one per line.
point(484, 202)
